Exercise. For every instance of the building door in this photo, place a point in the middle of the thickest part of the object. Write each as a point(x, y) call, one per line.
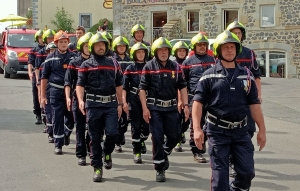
point(272, 63)
point(159, 19)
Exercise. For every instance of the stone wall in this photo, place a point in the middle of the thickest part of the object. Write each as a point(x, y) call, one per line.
point(128, 16)
point(172, 30)
point(284, 36)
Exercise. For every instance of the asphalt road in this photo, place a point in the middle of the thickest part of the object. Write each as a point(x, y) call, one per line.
point(27, 161)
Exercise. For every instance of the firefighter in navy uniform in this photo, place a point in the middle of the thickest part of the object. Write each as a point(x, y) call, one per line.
point(247, 59)
point(82, 140)
point(227, 90)
point(110, 39)
point(120, 46)
point(53, 73)
point(131, 81)
point(138, 34)
point(50, 48)
point(193, 68)
point(31, 63)
point(100, 76)
point(80, 31)
point(162, 79)
point(180, 50)
point(47, 38)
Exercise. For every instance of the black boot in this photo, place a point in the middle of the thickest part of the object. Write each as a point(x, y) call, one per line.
point(160, 176)
point(198, 157)
point(50, 139)
point(67, 140)
point(58, 151)
point(45, 129)
point(107, 161)
point(144, 148)
point(98, 172)
point(38, 120)
point(167, 164)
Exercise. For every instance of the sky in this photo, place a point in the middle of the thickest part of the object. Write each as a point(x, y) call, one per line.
point(9, 8)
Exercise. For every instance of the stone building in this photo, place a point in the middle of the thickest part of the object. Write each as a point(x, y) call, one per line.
point(273, 26)
point(23, 7)
point(84, 12)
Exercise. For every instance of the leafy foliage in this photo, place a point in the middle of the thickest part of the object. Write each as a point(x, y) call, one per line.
point(63, 20)
point(29, 16)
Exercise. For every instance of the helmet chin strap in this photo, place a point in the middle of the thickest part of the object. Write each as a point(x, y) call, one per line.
point(222, 58)
point(85, 54)
point(120, 54)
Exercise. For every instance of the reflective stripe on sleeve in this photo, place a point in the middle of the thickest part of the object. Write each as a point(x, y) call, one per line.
point(212, 76)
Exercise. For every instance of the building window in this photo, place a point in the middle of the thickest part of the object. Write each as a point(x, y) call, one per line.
point(229, 16)
point(193, 24)
point(267, 15)
point(85, 20)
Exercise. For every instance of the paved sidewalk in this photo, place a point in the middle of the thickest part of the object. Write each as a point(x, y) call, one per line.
point(28, 162)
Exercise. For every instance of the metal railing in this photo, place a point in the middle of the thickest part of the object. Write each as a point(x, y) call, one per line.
point(156, 32)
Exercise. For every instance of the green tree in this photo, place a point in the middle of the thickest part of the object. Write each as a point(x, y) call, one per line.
point(29, 21)
point(63, 20)
point(94, 28)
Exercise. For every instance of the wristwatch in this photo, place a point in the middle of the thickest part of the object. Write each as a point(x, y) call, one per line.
point(121, 104)
point(186, 105)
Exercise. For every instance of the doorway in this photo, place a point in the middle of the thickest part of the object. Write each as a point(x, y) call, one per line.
point(272, 63)
point(229, 16)
point(159, 19)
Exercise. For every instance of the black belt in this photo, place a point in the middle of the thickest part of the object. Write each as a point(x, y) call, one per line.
point(224, 123)
point(100, 98)
point(134, 90)
point(162, 103)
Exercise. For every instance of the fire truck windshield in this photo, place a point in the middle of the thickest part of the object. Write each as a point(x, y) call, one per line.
point(21, 40)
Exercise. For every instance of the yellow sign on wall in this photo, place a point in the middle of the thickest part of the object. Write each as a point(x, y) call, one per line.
point(107, 4)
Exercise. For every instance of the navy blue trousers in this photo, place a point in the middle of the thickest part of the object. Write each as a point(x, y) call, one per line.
point(82, 139)
point(62, 119)
point(236, 142)
point(139, 127)
point(48, 112)
point(36, 104)
point(163, 123)
point(123, 126)
point(101, 119)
